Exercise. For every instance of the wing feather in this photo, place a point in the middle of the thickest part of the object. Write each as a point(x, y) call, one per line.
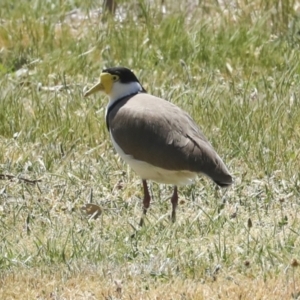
point(160, 133)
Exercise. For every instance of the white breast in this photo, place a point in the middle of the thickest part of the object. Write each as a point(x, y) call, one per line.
point(148, 171)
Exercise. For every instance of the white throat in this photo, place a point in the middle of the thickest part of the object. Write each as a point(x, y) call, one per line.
point(120, 90)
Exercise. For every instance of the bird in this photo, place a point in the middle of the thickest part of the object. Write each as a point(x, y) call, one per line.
point(160, 141)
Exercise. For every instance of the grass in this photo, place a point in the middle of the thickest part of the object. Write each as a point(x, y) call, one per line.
point(235, 69)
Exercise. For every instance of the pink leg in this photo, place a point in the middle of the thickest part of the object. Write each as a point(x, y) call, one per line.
point(146, 201)
point(174, 201)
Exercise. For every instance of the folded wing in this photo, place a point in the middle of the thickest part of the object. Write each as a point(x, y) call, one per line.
point(163, 135)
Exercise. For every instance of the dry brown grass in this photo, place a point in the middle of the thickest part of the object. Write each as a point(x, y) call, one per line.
point(90, 283)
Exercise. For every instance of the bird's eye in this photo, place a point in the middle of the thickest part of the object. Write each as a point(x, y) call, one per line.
point(115, 77)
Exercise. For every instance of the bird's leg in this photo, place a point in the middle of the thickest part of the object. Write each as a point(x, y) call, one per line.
point(146, 201)
point(174, 201)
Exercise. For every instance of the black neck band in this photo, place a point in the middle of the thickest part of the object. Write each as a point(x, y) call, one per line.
point(115, 103)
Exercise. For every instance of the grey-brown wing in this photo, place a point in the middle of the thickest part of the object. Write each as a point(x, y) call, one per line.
point(163, 135)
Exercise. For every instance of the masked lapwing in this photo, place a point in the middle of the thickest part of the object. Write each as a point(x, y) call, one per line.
point(159, 141)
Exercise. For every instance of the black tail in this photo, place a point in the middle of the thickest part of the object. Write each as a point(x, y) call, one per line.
point(225, 184)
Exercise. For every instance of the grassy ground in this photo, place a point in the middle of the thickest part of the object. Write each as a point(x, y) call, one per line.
point(234, 66)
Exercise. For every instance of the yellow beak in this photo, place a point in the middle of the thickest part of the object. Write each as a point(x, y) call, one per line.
point(104, 85)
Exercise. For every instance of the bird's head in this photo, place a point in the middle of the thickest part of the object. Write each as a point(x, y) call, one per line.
point(116, 82)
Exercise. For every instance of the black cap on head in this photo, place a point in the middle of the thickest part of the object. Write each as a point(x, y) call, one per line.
point(125, 75)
